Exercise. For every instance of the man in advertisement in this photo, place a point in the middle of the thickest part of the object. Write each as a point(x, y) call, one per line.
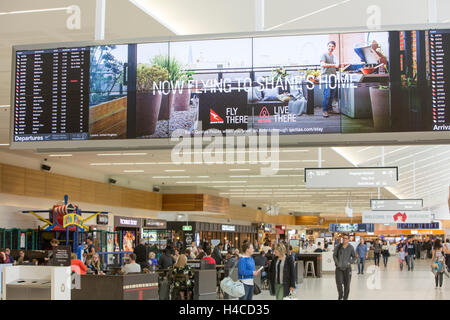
point(329, 68)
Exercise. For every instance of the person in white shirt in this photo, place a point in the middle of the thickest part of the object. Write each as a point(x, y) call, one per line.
point(131, 267)
point(312, 246)
point(194, 250)
point(266, 247)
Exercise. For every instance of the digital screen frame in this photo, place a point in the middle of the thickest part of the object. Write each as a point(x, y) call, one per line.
point(335, 139)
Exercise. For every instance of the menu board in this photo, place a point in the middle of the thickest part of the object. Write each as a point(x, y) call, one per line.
point(61, 256)
point(52, 95)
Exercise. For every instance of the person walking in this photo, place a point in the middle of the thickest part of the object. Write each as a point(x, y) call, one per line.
point(376, 252)
point(282, 273)
point(447, 253)
point(246, 270)
point(410, 254)
point(343, 256)
point(418, 245)
point(428, 247)
point(401, 257)
point(385, 253)
point(437, 262)
point(361, 256)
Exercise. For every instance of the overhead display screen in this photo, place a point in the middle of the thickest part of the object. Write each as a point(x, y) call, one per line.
point(351, 177)
point(432, 225)
point(351, 227)
point(341, 83)
point(396, 204)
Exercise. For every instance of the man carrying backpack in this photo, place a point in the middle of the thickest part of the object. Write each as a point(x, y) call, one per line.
point(344, 255)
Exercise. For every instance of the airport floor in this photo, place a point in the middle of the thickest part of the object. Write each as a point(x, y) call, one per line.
point(393, 284)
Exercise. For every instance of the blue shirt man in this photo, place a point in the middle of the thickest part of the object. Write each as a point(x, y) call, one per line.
point(361, 255)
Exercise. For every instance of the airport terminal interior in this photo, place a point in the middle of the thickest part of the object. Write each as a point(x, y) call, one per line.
point(224, 150)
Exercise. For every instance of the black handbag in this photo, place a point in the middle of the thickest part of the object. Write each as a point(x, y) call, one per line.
point(256, 289)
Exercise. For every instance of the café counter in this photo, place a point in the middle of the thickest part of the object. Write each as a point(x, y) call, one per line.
point(139, 286)
point(316, 258)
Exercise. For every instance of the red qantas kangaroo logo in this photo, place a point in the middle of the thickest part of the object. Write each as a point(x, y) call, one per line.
point(214, 117)
point(400, 215)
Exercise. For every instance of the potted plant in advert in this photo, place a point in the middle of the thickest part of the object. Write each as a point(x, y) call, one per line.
point(148, 101)
point(179, 98)
point(313, 75)
point(379, 98)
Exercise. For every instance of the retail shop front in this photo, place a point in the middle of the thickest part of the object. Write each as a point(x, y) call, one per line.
point(154, 232)
point(281, 232)
point(213, 233)
point(127, 232)
point(265, 232)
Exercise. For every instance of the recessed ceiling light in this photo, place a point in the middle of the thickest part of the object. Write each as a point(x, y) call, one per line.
point(175, 170)
point(135, 154)
point(133, 171)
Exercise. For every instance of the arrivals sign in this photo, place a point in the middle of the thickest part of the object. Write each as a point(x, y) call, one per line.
point(396, 204)
point(396, 217)
point(351, 177)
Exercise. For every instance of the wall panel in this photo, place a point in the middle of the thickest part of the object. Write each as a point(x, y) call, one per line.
point(13, 180)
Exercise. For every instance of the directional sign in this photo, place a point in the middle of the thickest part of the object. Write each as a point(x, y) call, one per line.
point(396, 204)
point(396, 217)
point(351, 177)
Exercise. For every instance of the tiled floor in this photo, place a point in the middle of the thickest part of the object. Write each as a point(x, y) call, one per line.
point(393, 285)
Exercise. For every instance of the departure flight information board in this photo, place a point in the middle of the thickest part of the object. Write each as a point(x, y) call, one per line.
point(52, 95)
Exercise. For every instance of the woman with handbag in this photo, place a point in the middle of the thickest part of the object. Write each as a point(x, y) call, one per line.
point(281, 273)
point(246, 270)
point(437, 263)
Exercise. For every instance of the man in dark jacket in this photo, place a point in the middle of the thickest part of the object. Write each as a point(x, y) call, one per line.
point(166, 260)
point(411, 254)
point(281, 272)
point(141, 254)
point(217, 253)
point(377, 252)
point(344, 255)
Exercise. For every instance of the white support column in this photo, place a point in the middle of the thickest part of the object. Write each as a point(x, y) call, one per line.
point(382, 164)
point(414, 177)
point(319, 157)
point(432, 11)
point(259, 15)
point(100, 20)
